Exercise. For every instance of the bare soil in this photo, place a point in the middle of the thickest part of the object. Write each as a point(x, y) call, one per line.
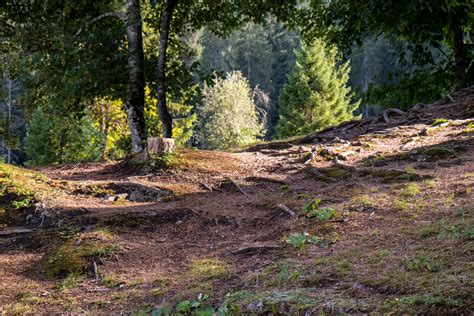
point(400, 239)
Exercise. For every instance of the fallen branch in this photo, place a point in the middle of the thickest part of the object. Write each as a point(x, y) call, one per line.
point(286, 209)
point(238, 187)
point(253, 249)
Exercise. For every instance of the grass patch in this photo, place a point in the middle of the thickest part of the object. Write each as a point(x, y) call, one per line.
point(419, 303)
point(411, 190)
point(207, 269)
point(401, 205)
point(361, 201)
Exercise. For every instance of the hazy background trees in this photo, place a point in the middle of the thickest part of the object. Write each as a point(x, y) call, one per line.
point(398, 53)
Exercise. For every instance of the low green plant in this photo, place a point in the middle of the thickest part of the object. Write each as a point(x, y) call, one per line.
point(70, 281)
point(322, 214)
point(164, 161)
point(422, 264)
point(199, 306)
point(21, 204)
point(411, 190)
point(299, 241)
point(401, 205)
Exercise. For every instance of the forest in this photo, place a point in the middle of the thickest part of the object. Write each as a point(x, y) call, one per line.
point(227, 157)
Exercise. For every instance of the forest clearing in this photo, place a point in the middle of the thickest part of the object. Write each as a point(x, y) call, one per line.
point(236, 157)
point(281, 227)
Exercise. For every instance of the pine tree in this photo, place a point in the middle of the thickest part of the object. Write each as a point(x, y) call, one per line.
point(316, 95)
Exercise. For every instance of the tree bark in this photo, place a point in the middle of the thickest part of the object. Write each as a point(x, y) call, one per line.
point(460, 51)
point(165, 116)
point(136, 103)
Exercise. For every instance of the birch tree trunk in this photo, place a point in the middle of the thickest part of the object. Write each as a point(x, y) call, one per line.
point(136, 104)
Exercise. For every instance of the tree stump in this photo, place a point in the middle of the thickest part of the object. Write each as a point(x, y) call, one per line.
point(157, 146)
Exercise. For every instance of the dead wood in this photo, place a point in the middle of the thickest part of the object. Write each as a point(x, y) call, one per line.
point(285, 208)
point(254, 249)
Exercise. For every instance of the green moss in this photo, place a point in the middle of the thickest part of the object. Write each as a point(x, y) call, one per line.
point(75, 256)
point(437, 152)
point(336, 173)
point(207, 268)
point(394, 175)
point(439, 122)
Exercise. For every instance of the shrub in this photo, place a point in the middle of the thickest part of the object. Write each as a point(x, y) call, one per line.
point(228, 115)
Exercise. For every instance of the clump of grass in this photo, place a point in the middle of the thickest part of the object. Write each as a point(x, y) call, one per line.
point(400, 205)
point(409, 169)
point(156, 292)
point(343, 268)
point(362, 201)
point(411, 190)
point(207, 268)
point(430, 184)
point(422, 264)
point(110, 281)
point(70, 281)
point(419, 302)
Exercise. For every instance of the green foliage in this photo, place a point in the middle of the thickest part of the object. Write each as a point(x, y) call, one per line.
point(183, 122)
point(299, 241)
point(55, 139)
point(423, 33)
point(322, 214)
point(263, 53)
point(228, 115)
point(422, 264)
point(316, 95)
point(110, 120)
point(198, 307)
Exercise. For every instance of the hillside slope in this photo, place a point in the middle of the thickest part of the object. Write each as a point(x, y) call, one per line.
point(371, 216)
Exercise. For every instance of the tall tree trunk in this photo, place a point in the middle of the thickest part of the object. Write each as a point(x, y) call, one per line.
point(460, 51)
point(136, 103)
point(165, 116)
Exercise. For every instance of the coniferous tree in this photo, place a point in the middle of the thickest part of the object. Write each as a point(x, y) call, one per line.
point(316, 95)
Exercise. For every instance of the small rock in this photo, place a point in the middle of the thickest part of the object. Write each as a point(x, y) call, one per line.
point(137, 196)
point(255, 306)
point(109, 198)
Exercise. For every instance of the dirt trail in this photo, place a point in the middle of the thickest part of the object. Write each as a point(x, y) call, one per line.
point(216, 224)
